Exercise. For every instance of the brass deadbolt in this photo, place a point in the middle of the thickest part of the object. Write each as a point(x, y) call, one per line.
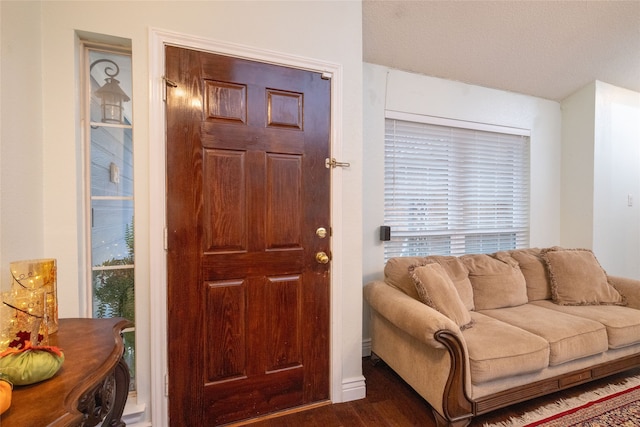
point(321, 232)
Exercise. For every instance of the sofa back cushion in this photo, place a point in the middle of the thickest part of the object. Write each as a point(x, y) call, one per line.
point(436, 289)
point(396, 273)
point(496, 282)
point(578, 279)
point(535, 273)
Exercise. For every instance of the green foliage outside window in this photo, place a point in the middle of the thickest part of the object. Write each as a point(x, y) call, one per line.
point(114, 296)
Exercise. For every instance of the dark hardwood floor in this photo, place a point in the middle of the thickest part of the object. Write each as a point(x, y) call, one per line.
point(390, 402)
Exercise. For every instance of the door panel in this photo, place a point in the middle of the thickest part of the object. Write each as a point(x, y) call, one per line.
point(284, 194)
point(225, 210)
point(248, 305)
point(226, 329)
point(283, 299)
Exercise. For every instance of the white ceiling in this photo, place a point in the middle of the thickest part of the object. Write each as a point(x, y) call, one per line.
point(547, 49)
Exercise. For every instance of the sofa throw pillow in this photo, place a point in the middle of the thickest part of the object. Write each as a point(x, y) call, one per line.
point(578, 279)
point(458, 274)
point(436, 290)
point(496, 283)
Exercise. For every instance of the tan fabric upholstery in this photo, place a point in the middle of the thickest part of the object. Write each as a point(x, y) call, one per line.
point(408, 314)
point(496, 283)
point(535, 273)
point(569, 337)
point(459, 275)
point(402, 334)
point(423, 367)
point(499, 350)
point(622, 323)
point(436, 290)
point(521, 344)
point(578, 279)
point(396, 273)
point(628, 287)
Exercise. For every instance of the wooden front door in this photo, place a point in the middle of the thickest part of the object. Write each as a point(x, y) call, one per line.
point(247, 190)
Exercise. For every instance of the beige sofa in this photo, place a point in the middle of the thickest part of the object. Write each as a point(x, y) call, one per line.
point(475, 333)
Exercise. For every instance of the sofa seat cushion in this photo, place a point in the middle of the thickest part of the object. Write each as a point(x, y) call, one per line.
point(499, 350)
point(622, 323)
point(569, 337)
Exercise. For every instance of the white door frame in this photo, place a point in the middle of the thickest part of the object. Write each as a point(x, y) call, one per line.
point(158, 39)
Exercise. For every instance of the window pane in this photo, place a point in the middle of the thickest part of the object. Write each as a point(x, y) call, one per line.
point(112, 232)
point(451, 190)
point(488, 243)
point(111, 161)
point(114, 296)
point(129, 339)
point(101, 71)
point(113, 293)
point(109, 141)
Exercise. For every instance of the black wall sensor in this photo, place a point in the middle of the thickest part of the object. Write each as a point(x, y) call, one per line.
point(385, 233)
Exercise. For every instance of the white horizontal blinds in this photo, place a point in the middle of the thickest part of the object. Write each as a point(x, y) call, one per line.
point(451, 190)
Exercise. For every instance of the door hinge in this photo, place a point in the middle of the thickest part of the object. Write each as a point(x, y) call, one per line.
point(167, 82)
point(166, 385)
point(333, 163)
point(165, 238)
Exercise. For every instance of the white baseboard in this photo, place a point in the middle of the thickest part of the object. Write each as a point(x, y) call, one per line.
point(366, 347)
point(353, 389)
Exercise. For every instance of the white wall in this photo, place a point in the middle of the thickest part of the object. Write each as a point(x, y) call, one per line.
point(41, 152)
point(601, 169)
point(413, 93)
point(616, 230)
point(21, 157)
point(578, 132)
point(578, 118)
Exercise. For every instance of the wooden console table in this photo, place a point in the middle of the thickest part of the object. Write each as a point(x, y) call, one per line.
point(92, 384)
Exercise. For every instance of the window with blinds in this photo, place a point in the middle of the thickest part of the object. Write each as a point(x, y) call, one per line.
point(451, 190)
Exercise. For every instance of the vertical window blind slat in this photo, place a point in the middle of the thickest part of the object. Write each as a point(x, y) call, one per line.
point(451, 191)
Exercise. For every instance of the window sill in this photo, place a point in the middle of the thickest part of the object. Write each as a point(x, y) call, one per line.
point(133, 414)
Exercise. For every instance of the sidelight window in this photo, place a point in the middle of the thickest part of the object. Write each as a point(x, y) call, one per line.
point(109, 179)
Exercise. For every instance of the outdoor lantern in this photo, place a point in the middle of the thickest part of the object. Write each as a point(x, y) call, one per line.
point(111, 94)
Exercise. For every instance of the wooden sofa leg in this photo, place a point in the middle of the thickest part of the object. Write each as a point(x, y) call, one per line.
point(442, 422)
point(375, 359)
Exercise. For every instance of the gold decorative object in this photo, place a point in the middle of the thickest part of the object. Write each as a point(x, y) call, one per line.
point(22, 314)
point(39, 273)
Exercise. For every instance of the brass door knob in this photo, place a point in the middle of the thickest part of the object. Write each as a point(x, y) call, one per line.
point(322, 258)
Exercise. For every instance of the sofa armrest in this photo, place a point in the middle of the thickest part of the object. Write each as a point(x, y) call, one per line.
point(410, 315)
point(426, 348)
point(630, 288)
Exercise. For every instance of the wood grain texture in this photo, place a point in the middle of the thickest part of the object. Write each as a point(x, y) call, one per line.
point(390, 402)
point(93, 349)
point(248, 321)
point(226, 329)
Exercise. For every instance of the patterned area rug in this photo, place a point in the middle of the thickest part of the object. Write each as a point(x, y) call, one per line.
point(614, 405)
